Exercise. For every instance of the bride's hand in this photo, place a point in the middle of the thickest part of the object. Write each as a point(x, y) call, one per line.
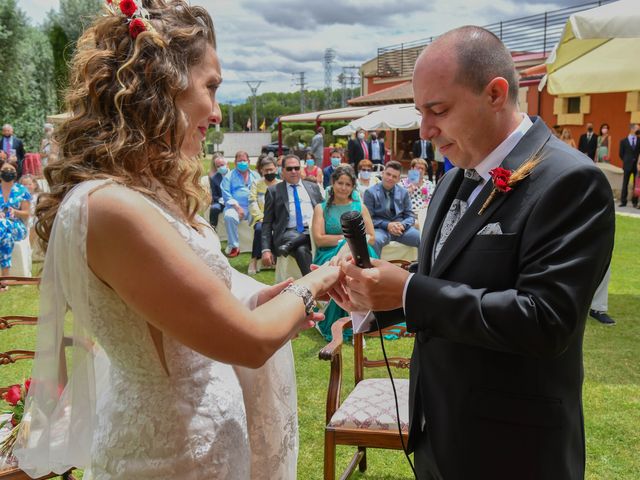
point(321, 279)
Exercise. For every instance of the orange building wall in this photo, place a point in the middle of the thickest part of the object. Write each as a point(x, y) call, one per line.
point(605, 108)
point(376, 87)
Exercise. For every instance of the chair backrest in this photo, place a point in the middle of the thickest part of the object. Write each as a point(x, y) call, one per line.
point(361, 362)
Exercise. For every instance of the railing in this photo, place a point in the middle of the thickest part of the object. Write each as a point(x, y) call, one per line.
point(533, 34)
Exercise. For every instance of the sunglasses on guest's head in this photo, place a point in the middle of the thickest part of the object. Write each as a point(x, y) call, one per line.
point(289, 169)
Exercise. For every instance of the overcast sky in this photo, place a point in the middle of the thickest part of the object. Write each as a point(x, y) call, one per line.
point(270, 40)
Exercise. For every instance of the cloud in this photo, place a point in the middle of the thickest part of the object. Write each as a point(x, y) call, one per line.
point(311, 15)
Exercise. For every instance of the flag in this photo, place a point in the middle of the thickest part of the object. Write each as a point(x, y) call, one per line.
point(249, 124)
point(263, 125)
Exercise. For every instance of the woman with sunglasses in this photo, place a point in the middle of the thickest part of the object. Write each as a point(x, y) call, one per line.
point(366, 178)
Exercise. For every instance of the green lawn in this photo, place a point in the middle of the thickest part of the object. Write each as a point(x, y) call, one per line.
point(611, 390)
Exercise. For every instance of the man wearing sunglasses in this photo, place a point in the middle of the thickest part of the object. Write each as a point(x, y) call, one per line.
point(288, 208)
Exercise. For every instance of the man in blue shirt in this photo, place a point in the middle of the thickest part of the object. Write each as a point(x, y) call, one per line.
point(336, 159)
point(235, 187)
point(218, 171)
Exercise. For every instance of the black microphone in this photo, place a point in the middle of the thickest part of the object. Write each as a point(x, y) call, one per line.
point(354, 232)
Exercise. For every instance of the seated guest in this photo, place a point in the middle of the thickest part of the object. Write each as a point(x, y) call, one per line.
point(235, 193)
point(420, 189)
point(288, 208)
point(267, 169)
point(390, 208)
point(218, 170)
point(311, 172)
point(15, 202)
point(327, 232)
point(366, 178)
point(336, 159)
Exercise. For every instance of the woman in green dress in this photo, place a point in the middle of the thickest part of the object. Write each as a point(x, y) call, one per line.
point(327, 232)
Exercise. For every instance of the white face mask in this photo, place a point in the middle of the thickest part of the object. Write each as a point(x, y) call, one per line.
point(361, 136)
point(365, 174)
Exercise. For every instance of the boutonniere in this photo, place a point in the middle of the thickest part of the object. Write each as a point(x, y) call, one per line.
point(505, 180)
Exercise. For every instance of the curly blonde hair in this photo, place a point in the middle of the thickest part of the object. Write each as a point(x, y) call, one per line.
point(124, 122)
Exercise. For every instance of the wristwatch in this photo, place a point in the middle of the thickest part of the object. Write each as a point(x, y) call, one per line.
point(305, 294)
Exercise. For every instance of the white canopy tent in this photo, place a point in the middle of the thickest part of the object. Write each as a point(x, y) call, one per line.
point(393, 117)
point(598, 52)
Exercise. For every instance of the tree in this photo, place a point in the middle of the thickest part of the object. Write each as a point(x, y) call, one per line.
point(64, 28)
point(27, 94)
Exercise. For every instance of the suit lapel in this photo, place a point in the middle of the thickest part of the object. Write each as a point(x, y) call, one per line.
point(471, 221)
point(438, 207)
point(284, 195)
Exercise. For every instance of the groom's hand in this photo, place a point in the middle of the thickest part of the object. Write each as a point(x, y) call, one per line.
point(379, 288)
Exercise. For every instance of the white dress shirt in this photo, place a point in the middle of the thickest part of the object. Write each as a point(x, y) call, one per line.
point(491, 161)
point(305, 204)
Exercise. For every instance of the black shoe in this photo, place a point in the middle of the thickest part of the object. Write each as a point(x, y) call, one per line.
point(622, 205)
point(602, 317)
point(285, 249)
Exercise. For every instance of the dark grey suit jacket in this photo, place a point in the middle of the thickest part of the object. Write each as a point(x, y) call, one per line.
point(497, 366)
point(276, 212)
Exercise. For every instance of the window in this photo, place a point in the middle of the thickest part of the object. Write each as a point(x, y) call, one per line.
point(573, 105)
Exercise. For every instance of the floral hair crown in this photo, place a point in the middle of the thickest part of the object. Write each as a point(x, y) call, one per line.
point(137, 15)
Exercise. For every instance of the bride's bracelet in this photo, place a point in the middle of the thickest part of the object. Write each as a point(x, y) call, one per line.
point(305, 294)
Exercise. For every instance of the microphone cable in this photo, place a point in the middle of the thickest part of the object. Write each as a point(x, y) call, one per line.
point(395, 397)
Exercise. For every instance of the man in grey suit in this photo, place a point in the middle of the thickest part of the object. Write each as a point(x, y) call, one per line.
point(506, 272)
point(288, 208)
point(390, 208)
point(317, 146)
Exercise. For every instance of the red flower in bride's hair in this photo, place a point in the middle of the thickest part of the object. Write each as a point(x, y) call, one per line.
point(501, 179)
point(128, 7)
point(136, 27)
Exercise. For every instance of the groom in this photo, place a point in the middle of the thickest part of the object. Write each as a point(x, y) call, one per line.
point(504, 281)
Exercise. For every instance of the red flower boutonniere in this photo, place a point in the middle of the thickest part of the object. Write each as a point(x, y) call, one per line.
point(504, 180)
point(500, 177)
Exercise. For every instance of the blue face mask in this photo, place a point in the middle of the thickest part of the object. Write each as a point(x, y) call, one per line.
point(223, 170)
point(365, 174)
point(310, 163)
point(335, 161)
point(242, 166)
point(413, 176)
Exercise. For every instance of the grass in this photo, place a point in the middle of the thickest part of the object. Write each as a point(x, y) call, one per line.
point(611, 387)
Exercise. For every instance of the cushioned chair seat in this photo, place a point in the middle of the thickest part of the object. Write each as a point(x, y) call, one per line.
point(371, 405)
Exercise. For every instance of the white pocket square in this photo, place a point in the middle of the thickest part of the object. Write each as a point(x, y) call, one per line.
point(491, 229)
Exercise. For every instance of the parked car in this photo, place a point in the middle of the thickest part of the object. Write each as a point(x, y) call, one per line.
point(273, 148)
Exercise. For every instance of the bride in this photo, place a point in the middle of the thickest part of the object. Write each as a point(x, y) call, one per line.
point(165, 334)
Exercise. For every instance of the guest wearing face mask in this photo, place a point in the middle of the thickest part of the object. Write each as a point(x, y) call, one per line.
point(267, 169)
point(14, 213)
point(419, 187)
point(604, 141)
point(279, 165)
point(218, 170)
point(336, 160)
point(358, 149)
point(366, 178)
point(376, 149)
point(235, 193)
point(311, 172)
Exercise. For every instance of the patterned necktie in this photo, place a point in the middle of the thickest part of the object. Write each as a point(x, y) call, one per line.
point(298, 207)
point(458, 207)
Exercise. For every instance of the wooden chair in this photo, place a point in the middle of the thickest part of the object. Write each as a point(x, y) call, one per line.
point(7, 322)
point(367, 418)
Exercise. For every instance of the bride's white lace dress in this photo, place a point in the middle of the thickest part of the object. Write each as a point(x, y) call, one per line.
point(201, 419)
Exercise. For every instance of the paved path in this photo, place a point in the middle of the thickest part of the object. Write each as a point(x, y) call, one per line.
point(627, 211)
